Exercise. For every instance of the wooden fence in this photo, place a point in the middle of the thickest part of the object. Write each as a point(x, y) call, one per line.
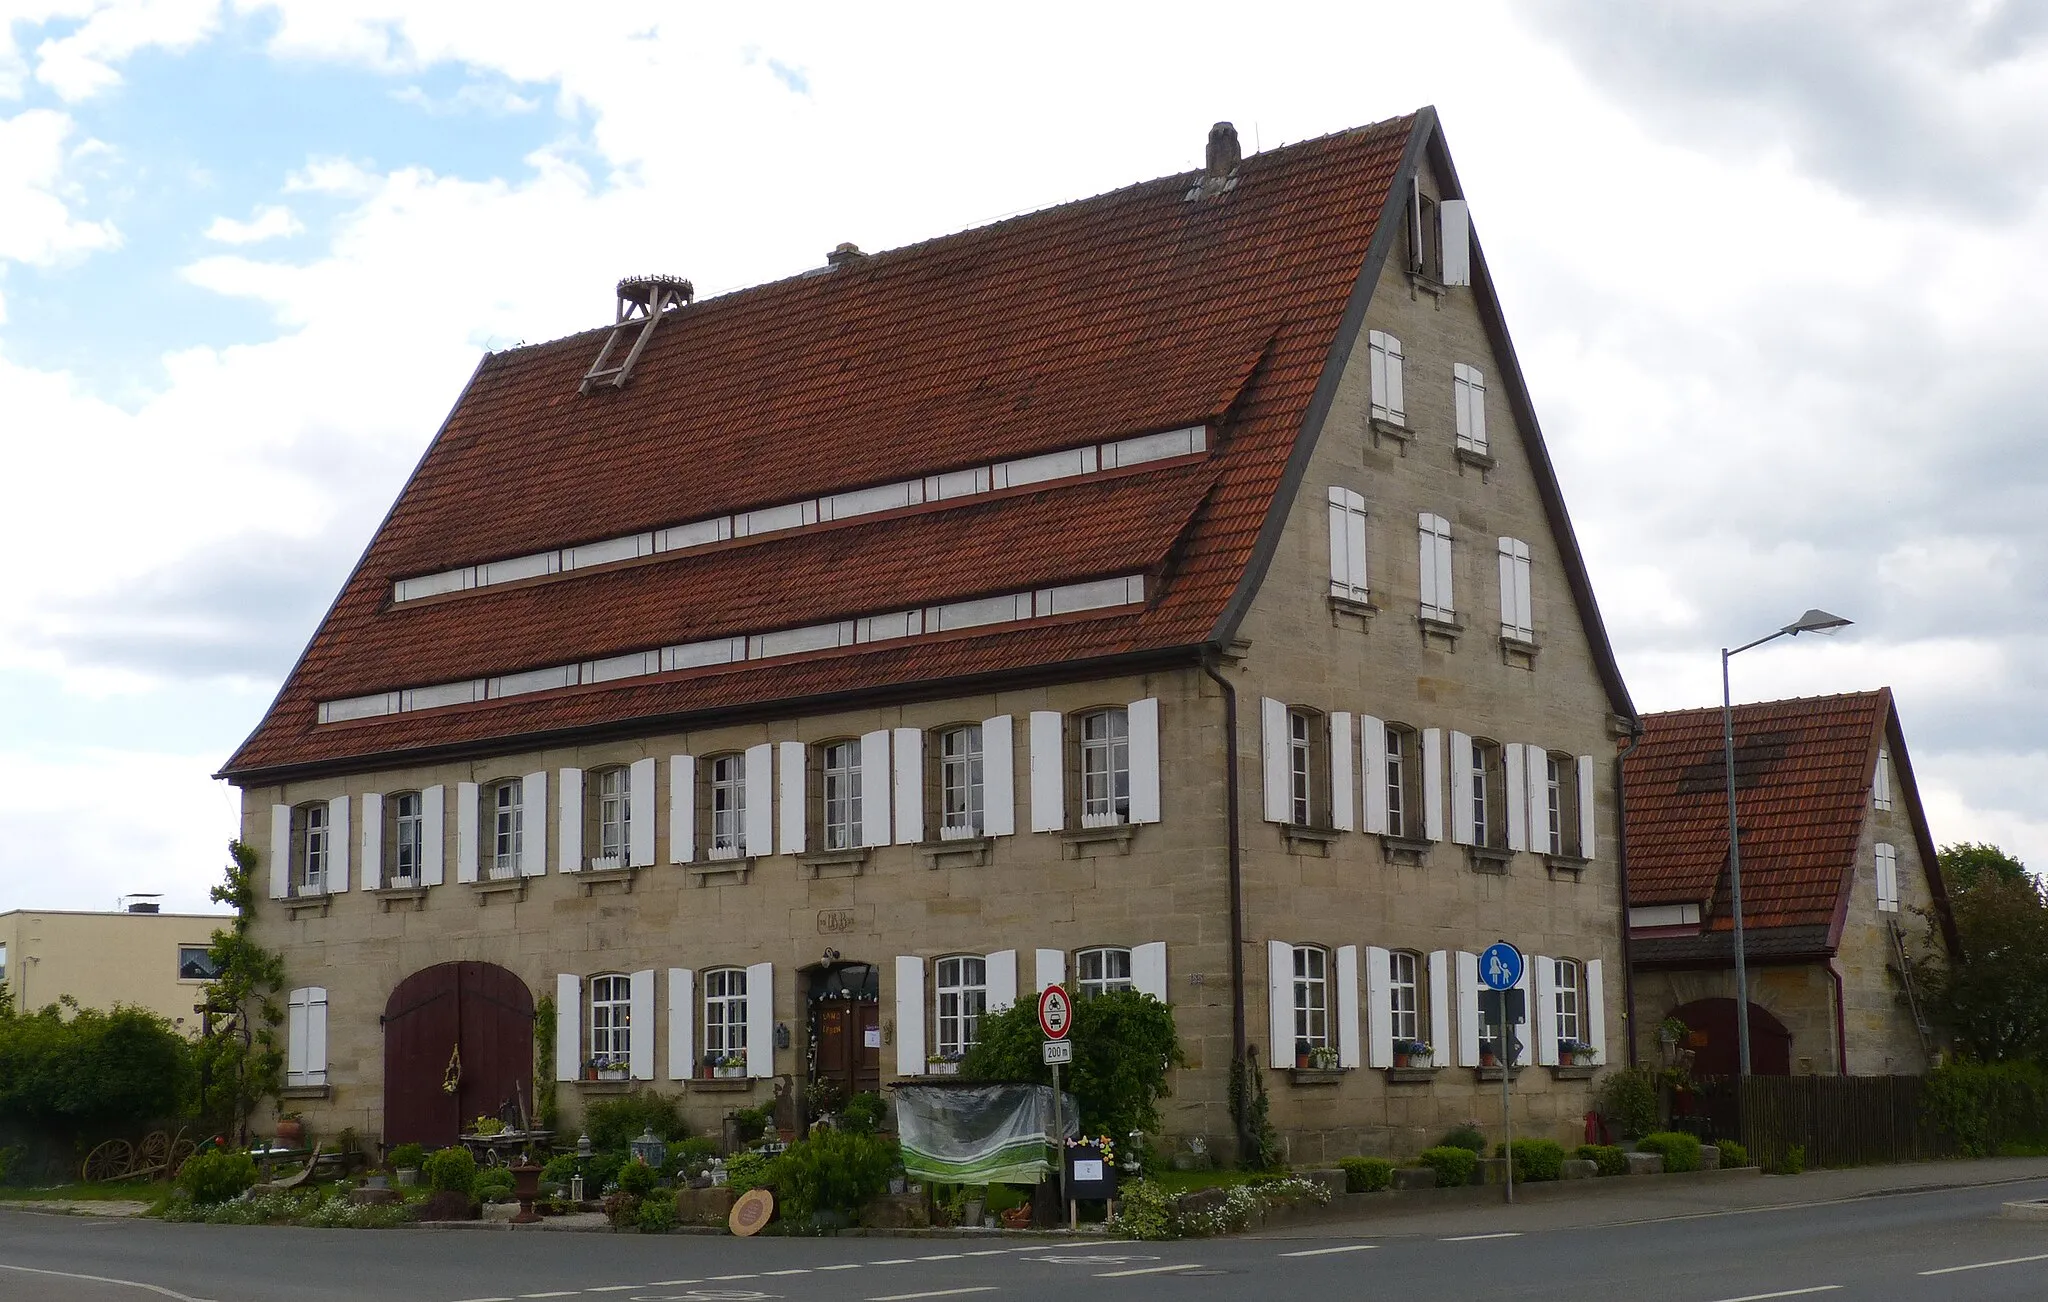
point(1838, 1120)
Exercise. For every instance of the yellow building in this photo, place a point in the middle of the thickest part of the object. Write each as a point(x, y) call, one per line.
point(147, 960)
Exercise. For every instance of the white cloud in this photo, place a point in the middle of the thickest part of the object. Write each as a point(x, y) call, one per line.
point(269, 222)
point(80, 64)
point(37, 224)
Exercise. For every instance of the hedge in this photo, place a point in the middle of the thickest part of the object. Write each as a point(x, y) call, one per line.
point(1681, 1151)
point(1453, 1166)
point(1366, 1174)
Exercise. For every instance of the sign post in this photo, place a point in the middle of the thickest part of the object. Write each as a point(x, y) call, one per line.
point(1056, 1018)
point(1500, 970)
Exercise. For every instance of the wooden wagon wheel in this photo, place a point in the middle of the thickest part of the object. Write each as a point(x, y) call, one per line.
point(154, 1153)
point(181, 1150)
point(110, 1161)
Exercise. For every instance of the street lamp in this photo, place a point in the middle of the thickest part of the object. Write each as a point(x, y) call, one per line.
point(1813, 621)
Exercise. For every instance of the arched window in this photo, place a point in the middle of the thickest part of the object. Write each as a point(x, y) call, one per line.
point(1103, 969)
point(1105, 768)
point(611, 1020)
point(725, 1018)
point(962, 996)
point(960, 782)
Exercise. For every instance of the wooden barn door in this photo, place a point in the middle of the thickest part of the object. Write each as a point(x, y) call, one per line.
point(465, 1025)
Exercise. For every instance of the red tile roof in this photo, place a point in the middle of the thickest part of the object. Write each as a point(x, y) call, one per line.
point(1803, 771)
point(1134, 311)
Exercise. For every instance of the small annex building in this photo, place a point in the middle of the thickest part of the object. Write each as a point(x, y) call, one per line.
point(1169, 590)
point(1839, 885)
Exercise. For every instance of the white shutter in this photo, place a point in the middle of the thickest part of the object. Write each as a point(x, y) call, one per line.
point(1354, 545)
point(533, 840)
point(909, 754)
point(759, 815)
point(1372, 749)
point(1048, 772)
point(1425, 552)
point(1379, 1006)
point(1543, 1011)
point(1052, 966)
point(370, 875)
point(1475, 394)
point(761, 1020)
point(1142, 720)
point(1588, 829)
point(1456, 222)
point(682, 1008)
point(1524, 601)
point(568, 1026)
point(1273, 732)
point(910, 1015)
point(1446, 596)
point(1343, 782)
point(1881, 784)
point(1537, 761)
point(682, 808)
point(1529, 1010)
point(569, 817)
point(1280, 1002)
point(1439, 1008)
point(640, 812)
point(1348, 1054)
point(640, 1033)
point(295, 1038)
point(336, 879)
point(874, 787)
point(791, 765)
point(316, 1035)
point(1000, 975)
point(1376, 351)
point(280, 851)
point(1433, 783)
point(998, 777)
point(1510, 618)
point(433, 835)
point(1462, 830)
point(1887, 877)
point(1468, 1009)
point(1596, 1009)
point(1340, 547)
point(1517, 796)
point(1396, 405)
point(1148, 969)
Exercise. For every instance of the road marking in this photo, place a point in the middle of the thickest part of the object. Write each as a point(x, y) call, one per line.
point(1149, 1270)
point(1474, 1238)
point(1324, 1252)
point(944, 1256)
point(709, 1279)
point(124, 1283)
point(851, 1265)
point(1986, 1265)
point(1790, 1292)
point(561, 1292)
point(993, 1252)
point(659, 1283)
point(944, 1292)
point(800, 1270)
point(614, 1288)
point(893, 1261)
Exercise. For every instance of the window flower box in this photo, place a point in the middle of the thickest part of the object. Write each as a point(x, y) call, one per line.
point(942, 1067)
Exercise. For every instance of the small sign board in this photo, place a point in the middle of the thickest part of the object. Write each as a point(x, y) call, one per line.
point(753, 1210)
point(1500, 967)
point(1058, 1051)
point(1055, 1012)
point(1089, 1173)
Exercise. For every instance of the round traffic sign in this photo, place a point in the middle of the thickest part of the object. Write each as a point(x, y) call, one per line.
point(1500, 967)
point(1055, 1012)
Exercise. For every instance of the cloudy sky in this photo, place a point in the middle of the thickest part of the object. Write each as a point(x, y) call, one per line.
point(1773, 272)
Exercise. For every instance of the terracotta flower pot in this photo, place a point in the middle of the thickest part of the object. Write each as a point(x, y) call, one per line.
point(290, 1132)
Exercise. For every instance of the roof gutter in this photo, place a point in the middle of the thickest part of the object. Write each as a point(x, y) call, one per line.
point(1234, 848)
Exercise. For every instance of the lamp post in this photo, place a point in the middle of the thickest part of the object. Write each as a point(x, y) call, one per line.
point(1813, 621)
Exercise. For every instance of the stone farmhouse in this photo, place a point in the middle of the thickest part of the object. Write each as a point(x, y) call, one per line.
point(1167, 590)
point(1840, 887)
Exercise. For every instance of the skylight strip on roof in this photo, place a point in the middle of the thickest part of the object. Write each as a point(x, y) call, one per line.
point(1042, 603)
point(810, 512)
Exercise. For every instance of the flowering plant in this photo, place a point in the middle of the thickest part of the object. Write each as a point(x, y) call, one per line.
point(1324, 1058)
point(1414, 1048)
point(1573, 1046)
point(733, 1058)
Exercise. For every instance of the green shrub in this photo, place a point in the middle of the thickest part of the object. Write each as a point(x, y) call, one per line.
point(1732, 1153)
point(1537, 1160)
point(657, 1212)
point(216, 1175)
point(833, 1171)
point(749, 1170)
point(687, 1157)
point(1453, 1165)
point(1988, 1106)
point(601, 1171)
point(558, 1170)
point(638, 1178)
point(493, 1185)
point(66, 1068)
point(1002, 1198)
point(1793, 1161)
point(1628, 1099)
point(615, 1123)
point(407, 1155)
point(1681, 1151)
point(1145, 1211)
point(450, 1170)
point(1366, 1174)
point(1609, 1159)
point(1124, 1044)
point(752, 1123)
point(1465, 1136)
point(863, 1114)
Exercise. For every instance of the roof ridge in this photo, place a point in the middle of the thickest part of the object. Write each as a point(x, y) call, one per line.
point(1739, 706)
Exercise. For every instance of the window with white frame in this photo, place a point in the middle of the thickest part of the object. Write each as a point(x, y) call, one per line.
point(1303, 731)
point(962, 990)
point(1439, 601)
point(1101, 970)
point(725, 1016)
point(1489, 795)
point(611, 1020)
point(1560, 832)
point(1887, 877)
point(614, 814)
point(1385, 353)
point(1881, 785)
point(1404, 782)
point(1347, 545)
point(1468, 400)
point(960, 781)
point(842, 794)
point(1404, 992)
point(1311, 998)
point(195, 963)
point(728, 806)
point(505, 828)
point(1570, 1004)
point(1105, 768)
point(311, 842)
point(408, 838)
point(1516, 619)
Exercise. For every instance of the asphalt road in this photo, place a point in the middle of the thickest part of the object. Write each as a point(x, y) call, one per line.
point(1920, 1247)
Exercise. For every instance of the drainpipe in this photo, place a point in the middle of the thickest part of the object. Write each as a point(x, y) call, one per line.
point(1236, 856)
point(1841, 1020)
point(1628, 967)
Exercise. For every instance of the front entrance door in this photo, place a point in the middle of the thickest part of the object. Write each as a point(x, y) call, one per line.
point(845, 1016)
point(458, 1045)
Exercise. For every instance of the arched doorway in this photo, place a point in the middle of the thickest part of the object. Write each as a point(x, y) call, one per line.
point(1713, 1039)
point(458, 1044)
point(843, 1007)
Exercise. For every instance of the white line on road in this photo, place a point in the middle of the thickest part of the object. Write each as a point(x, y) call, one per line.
point(124, 1283)
point(1790, 1292)
point(560, 1292)
point(1986, 1265)
point(944, 1256)
point(800, 1270)
point(1149, 1270)
point(851, 1265)
point(709, 1278)
point(614, 1288)
point(892, 1261)
point(1324, 1252)
point(944, 1292)
point(1474, 1238)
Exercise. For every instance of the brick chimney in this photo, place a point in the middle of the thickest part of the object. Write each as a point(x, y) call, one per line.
point(1219, 170)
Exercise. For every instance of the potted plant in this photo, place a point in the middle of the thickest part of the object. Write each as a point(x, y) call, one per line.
point(947, 1063)
point(1575, 1053)
point(606, 1067)
point(1412, 1053)
point(732, 1063)
point(1323, 1058)
point(1302, 1050)
point(291, 1129)
point(1488, 1057)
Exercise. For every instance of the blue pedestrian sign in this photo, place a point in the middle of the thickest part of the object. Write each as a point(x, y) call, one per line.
point(1500, 967)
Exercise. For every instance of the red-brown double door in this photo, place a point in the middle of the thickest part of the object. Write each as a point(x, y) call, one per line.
point(458, 1044)
point(849, 1045)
